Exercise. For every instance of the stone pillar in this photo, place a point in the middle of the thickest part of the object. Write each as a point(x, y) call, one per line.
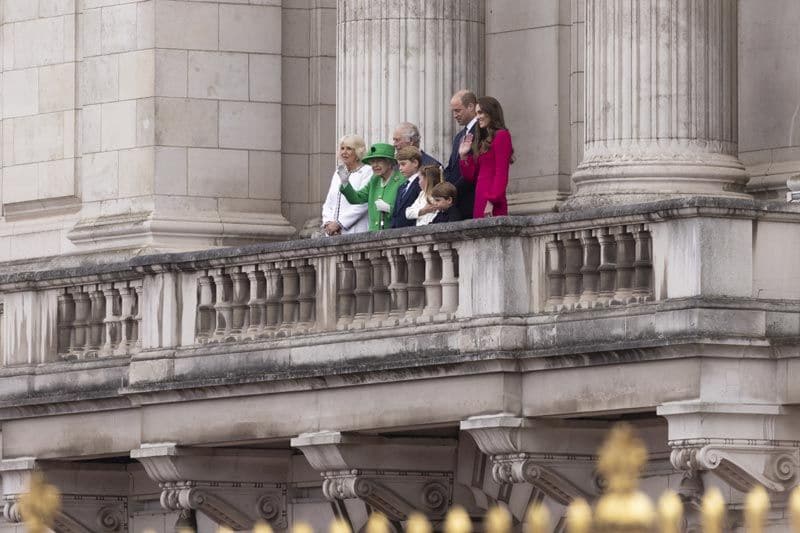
point(403, 60)
point(661, 102)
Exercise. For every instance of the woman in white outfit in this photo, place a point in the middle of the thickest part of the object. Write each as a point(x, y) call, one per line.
point(338, 215)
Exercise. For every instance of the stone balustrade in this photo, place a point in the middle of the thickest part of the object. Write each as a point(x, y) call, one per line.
point(393, 283)
point(100, 319)
point(599, 267)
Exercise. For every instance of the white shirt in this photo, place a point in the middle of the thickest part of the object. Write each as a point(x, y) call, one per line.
point(407, 185)
point(470, 124)
point(413, 210)
point(353, 218)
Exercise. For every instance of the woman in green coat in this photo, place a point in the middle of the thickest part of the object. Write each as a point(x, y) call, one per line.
point(380, 191)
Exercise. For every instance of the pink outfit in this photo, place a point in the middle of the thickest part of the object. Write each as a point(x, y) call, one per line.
point(490, 171)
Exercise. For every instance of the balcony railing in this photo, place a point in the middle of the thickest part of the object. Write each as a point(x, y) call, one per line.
point(499, 269)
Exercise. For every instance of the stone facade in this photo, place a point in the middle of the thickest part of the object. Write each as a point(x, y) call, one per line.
point(156, 374)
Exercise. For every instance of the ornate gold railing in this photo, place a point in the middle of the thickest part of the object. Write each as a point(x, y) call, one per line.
point(623, 508)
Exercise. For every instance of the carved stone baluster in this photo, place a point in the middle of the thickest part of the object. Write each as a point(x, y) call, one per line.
point(363, 289)
point(307, 297)
point(274, 295)
point(81, 324)
point(97, 315)
point(415, 268)
point(449, 281)
point(240, 302)
point(398, 288)
point(111, 320)
point(555, 274)
point(608, 266)
point(432, 283)
point(642, 266)
point(625, 259)
point(381, 297)
point(137, 317)
point(345, 293)
point(206, 315)
point(573, 263)
point(291, 292)
point(222, 303)
point(257, 301)
point(589, 270)
point(65, 320)
point(126, 319)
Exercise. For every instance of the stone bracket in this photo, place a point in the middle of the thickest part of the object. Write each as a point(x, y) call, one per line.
point(232, 487)
point(538, 471)
point(430, 493)
point(741, 465)
point(548, 454)
point(392, 475)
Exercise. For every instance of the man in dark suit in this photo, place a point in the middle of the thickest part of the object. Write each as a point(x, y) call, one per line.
point(462, 105)
point(407, 134)
point(409, 159)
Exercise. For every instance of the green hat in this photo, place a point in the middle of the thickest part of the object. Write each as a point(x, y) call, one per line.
point(380, 151)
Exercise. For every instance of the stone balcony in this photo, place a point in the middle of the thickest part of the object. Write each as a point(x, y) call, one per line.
point(590, 313)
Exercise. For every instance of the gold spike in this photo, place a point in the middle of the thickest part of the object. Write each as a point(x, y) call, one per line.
point(149, 530)
point(794, 509)
point(418, 523)
point(756, 506)
point(622, 459)
point(498, 520)
point(713, 511)
point(537, 519)
point(40, 505)
point(302, 527)
point(579, 517)
point(670, 512)
point(262, 527)
point(224, 529)
point(378, 523)
point(339, 526)
point(457, 521)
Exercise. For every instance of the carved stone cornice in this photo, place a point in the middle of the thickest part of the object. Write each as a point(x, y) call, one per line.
point(742, 464)
point(394, 476)
point(232, 487)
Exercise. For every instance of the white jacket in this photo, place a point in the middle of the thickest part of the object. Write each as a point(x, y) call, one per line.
point(353, 218)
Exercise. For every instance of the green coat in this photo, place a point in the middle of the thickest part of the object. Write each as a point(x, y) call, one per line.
point(374, 190)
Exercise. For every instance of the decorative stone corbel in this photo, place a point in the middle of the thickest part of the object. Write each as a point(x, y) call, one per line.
point(83, 510)
point(741, 464)
point(742, 444)
point(394, 476)
point(234, 488)
point(555, 457)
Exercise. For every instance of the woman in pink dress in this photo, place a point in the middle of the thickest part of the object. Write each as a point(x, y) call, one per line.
point(489, 168)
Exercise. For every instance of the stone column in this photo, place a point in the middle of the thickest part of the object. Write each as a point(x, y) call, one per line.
point(403, 60)
point(661, 101)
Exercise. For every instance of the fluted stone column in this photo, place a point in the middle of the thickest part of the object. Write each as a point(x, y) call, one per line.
point(661, 101)
point(402, 60)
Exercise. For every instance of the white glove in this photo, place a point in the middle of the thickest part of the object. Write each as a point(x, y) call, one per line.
point(382, 206)
point(343, 173)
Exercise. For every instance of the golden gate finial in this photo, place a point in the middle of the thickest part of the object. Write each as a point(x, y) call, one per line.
point(713, 511)
point(756, 506)
point(622, 507)
point(418, 523)
point(537, 519)
point(670, 512)
point(794, 509)
point(40, 505)
point(498, 520)
point(579, 517)
point(457, 521)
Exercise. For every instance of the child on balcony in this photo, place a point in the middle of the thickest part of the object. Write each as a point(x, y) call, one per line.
point(423, 209)
point(444, 198)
